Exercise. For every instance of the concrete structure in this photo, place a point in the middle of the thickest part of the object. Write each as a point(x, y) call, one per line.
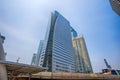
point(115, 6)
point(3, 71)
point(18, 68)
point(82, 61)
point(67, 76)
point(73, 76)
point(58, 51)
point(14, 69)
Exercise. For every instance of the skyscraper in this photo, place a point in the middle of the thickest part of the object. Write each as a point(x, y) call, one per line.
point(38, 58)
point(82, 61)
point(62, 50)
point(58, 55)
point(73, 33)
point(33, 62)
point(115, 6)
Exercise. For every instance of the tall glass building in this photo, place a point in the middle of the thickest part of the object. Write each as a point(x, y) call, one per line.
point(73, 33)
point(62, 50)
point(58, 45)
point(33, 62)
point(82, 61)
point(38, 58)
point(115, 6)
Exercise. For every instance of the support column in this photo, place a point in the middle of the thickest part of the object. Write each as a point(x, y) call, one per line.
point(3, 71)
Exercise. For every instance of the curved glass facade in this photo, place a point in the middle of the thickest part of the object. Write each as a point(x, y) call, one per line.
point(62, 50)
point(59, 52)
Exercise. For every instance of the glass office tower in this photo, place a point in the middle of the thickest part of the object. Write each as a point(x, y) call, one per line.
point(73, 33)
point(33, 62)
point(38, 58)
point(82, 61)
point(58, 52)
point(40, 53)
point(115, 6)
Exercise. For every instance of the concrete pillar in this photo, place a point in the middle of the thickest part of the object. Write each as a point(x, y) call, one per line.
point(3, 71)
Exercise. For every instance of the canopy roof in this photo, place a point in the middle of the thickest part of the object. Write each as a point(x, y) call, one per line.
point(21, 68)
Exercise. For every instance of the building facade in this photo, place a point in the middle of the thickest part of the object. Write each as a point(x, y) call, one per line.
point(62, 50)
point(33, 62)
point(73, 33)
point(82, 61)
point(115, 6)
point(38, 58)
point(57, 53)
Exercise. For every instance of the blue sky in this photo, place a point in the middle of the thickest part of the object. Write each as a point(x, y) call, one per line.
point(24, 23)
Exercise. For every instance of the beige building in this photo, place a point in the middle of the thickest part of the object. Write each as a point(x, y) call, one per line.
point(82, 61)
point(115, 6)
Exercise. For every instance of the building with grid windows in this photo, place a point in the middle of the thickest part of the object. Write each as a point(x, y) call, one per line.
point(55, 52)
point(115, 6)
point(82, 61)
point(38, 58)
point(62, 50)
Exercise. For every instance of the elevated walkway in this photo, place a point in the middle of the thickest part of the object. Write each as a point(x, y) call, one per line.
point(67, 76)
point(19, 71)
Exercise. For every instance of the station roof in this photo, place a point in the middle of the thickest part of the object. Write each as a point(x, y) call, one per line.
point(20, 67)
